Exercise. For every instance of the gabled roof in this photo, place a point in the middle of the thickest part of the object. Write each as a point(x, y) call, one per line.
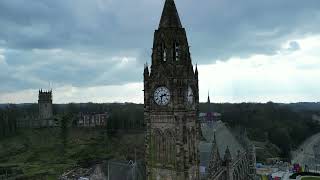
point(170, 16)
point(224, 138)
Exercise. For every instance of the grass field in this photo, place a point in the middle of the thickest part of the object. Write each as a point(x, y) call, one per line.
point(310, 178)
point(40, 152)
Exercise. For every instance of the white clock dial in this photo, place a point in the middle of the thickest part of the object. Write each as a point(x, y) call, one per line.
point(162, 96)
point(190, 96)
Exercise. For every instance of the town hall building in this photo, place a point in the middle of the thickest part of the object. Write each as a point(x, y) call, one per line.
point(174, 149)
point(171, 99)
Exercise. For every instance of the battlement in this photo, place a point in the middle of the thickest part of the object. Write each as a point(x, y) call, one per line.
point(45, 104)
point(45, 95)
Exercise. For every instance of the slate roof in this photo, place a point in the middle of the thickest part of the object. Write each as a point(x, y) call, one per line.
point(224, 139)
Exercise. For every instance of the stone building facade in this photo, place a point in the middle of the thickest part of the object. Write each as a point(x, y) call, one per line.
point(44, 118)
point(45, 104)
point(33, 121)
point(92, 120)
point(178, 145)
point(171, 102)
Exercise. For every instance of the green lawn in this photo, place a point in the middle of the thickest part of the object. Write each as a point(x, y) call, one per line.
point(40, 152)
point(310, 178)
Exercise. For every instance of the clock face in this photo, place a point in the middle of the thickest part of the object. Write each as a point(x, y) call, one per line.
point(190, 95)
point(162, 96)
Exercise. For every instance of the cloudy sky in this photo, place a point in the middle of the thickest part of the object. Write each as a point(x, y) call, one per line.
point(94, 50)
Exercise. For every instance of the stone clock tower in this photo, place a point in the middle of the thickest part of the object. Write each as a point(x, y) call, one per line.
point(171, 103)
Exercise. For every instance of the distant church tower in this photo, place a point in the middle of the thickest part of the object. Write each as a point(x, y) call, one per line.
point(45, 104)
point(171, 103)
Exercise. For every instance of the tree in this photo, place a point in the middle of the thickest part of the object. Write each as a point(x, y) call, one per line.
point(64, 130)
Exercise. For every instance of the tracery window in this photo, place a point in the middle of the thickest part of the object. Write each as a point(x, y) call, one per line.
point(170, 149)
point(162, 151)
point(164, 52)
point(177, 51)
point(191, 145)
point(157, 145)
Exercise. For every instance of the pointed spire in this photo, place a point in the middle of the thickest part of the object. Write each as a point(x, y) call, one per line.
point(146, 70)
point(170, 16)
point(214, 156)
point(208, 101)
point(227, 155)
point(196, 71)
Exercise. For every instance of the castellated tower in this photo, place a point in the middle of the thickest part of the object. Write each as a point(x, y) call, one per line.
point(45, 104)
point(171, 103)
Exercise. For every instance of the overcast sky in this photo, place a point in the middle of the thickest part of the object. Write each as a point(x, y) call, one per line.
point(94, 50)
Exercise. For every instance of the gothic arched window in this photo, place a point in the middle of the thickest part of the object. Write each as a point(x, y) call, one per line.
point(164, 52)
point(170, 148)
point(157, 145)
point(190, 145)
point(163, 149)
point(176, 51)
point(153, 147)
point(193, 133)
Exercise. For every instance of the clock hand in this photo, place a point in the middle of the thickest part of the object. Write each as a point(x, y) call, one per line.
point(164, 95)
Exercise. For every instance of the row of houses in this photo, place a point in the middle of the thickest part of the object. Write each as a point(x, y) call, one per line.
point(86, 120)
point(92, 119)
point(34, 121)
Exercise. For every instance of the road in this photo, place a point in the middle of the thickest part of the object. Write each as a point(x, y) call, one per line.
point(304, 155)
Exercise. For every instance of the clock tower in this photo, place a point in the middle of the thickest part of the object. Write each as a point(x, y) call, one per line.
point(171, 103)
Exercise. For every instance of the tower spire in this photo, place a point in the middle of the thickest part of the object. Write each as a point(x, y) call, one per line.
point(146, 70)
point(196, 71)
point(170, 16)
point(227, 155)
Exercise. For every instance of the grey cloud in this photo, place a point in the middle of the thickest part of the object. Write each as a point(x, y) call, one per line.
point(217, 29)
point(221, 29)
point(90, 33)
point(65, 24)
point(60, 67)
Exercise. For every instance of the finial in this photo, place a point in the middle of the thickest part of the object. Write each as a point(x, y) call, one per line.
point(146, 70)
point(196, 71)
point(227, 154)
point(227, 150)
